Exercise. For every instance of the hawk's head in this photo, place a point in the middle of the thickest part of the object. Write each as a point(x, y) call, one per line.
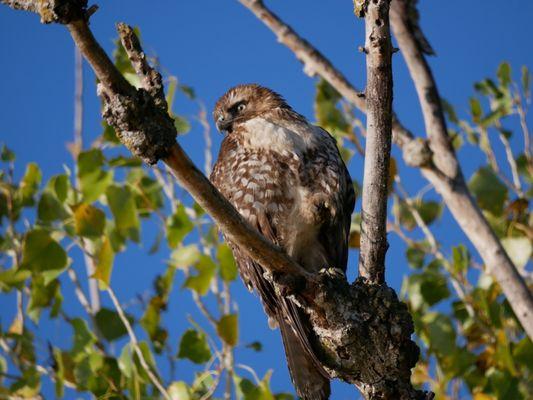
point(244, 102)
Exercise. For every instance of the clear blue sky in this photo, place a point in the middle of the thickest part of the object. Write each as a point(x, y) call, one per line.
point(212, 45)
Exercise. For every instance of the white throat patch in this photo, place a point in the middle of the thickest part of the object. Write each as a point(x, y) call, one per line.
point(263, 134)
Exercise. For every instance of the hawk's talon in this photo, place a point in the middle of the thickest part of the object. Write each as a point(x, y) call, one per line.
point(332, 272)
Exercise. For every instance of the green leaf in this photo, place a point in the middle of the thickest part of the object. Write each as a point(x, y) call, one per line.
point(94, 180)
point(29, 185)
point(50, 208)
point(60, 185)
point(28, 386)
point(503, 384)
point(228, 329)
point(519, 250)
point(42, 254)
point(6, 154)
point(125, 361)
point(59, 373)
point(110, 325)
point(179, 391)
point(41, 296)
point(255, 346)
point(121, 161)
point(439, 333)
point(429, 212)
point(187, 91)
point(13, 278)
point(228, 268)
point(526, 80)
point(475, 110)
point(83, 339)
point(461, 259)
point(488, 190)
point(504, 74)
point(327, 114)
point(109, 135)
point(104, 263)
point(148, 192)
point(523, 353)
point(450, 111)
point(426, 289)
point(89, 221)
point(185, 256)
point(415, 257)
point(201, 282)
point(181, 124)
point(178, 226)
point(122, 205)
point(193, 346)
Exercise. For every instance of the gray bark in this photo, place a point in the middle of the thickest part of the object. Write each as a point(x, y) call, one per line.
point(378, 49)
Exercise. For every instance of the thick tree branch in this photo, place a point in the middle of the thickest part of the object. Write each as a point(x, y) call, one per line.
point(363, 331)
point(378, 48)
point(449, 182)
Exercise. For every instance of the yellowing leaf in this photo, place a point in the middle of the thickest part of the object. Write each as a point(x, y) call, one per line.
point(89, 221)
point(104, 263)
point(185, 256)
point(228, 329)
point(179, 391)
point(519, 250)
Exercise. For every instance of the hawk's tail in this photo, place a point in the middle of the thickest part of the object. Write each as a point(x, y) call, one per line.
point(310, 382)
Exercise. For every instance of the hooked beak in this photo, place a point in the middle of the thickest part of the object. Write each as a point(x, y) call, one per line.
point(224, 125)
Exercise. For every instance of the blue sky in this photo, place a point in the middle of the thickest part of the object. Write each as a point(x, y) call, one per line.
point(212, 45)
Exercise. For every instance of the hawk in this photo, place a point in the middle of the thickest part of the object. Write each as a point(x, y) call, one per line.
point(287, 179)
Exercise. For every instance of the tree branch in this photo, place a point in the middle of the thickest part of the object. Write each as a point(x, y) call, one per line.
point(447, 177)
point(378, 48)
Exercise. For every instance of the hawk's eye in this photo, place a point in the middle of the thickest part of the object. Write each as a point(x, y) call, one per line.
point(241, 107)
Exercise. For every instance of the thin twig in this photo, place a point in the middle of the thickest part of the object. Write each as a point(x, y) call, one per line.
point(203, 309)
point(135, 344)
point(78, 103)
point(208, 156)
point(512, 164)
point(521, 110)
point(79, 292)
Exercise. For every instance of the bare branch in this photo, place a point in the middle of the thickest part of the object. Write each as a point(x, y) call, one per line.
point(135, 344)
point(517, 186)
point(378, 141)
point(447, 177)
point(79, 292)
